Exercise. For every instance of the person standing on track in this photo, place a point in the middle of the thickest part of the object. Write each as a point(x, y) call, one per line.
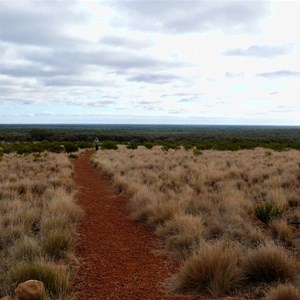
point(97, 143)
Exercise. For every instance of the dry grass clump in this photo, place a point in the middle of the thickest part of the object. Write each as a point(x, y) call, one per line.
point(55, 278)
point(284, 292)
point(195, 200)
point(183, 234)
point(38, 218)
point(214, 270)
point(270, 263)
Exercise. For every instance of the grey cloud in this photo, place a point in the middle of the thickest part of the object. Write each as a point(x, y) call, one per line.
point(145, 102)
point(190, 15)
point(60, 67)
point(273, 93)
point(37, 22)
point(118, 60)
point(279, 74)
point(154, 78)
point(31, 70)
point(69, 81)
point(149, 105)
point(118, 41)
point(261, 51)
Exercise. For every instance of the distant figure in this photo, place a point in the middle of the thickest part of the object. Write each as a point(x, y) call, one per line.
point(97, 143)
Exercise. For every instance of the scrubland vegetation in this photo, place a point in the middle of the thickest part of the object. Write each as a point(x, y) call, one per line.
point(227, 216)
point(38, 218)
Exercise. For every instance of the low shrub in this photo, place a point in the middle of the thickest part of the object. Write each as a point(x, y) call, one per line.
point(56, 148)
point(188, 147)
point(268, 212)
point(197, 152)
point(109, 145)
point(70, 147)
point(148, 145)
point(167, 146)
point(73, 156)
point(132, 145)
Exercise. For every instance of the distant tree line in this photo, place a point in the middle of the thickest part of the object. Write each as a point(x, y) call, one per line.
point(171, 137)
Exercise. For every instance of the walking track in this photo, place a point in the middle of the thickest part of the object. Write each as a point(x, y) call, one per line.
point(120, 258)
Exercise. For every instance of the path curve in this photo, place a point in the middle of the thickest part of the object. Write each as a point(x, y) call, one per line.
point(120, 257)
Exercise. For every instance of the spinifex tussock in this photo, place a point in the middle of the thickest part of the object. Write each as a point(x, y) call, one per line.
point(195, 200)
point(214, 270)
point(38, 217)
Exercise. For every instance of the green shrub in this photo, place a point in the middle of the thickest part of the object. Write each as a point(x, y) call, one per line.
point(23, 149)
point(167, 146)
point(84, 145)
point(70, 147)
point(148, 145)
point(197, 152)
point(268, 212)
point(132, 145)
point(109, 145)
point(73, 156)
point(187, 147)
point(56, 148)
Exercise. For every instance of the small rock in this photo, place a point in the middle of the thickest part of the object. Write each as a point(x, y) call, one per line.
point(30, 290)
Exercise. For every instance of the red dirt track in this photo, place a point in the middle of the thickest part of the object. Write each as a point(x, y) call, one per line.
point(120, 257)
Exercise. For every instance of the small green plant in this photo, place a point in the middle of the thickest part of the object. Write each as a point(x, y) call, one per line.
point(187, 147)
point(268, 153)
point(73, 156)
point(197, 151)
point(268, 212)
point(109, 145)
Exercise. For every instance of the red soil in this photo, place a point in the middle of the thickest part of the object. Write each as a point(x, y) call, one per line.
point(121, 258)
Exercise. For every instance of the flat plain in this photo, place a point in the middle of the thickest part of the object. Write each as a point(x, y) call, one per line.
point(226, 216)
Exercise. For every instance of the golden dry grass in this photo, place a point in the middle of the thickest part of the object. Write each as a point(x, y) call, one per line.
point(38, 218)
point(196, 201)
point(284, 292)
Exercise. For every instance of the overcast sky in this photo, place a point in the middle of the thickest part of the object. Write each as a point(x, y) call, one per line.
point(150, 61)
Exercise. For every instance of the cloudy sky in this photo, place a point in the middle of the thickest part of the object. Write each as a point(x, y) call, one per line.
point(150, 61)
